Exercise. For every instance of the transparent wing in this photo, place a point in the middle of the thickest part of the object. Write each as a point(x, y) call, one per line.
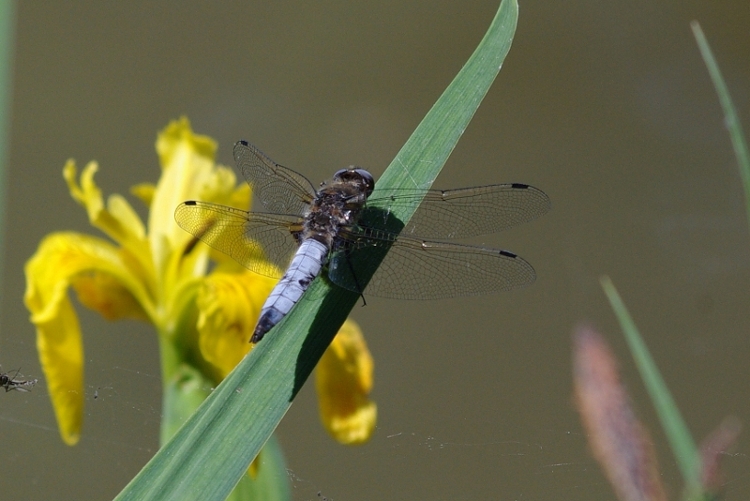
point(466, 212)
point(263, 243)
point(278, 189)
point(423, 269)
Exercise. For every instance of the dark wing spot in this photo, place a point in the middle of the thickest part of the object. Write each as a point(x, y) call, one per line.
point(508, 254)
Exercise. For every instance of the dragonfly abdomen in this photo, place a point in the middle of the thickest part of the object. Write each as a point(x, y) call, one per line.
point(306, 265)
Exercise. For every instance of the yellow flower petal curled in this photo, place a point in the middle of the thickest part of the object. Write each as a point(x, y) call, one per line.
point(60, 260)
point(119, 221)
point(343, 379)
point(61, 355)
point(228, 308)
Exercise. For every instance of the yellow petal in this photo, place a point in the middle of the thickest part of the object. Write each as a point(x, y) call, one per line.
point(188, 173)
point(61, 355)
point(252, 470)
point(229, 305)
point(60, 259)
point(145, 192)
point(124, 213)
point(177, 139)
point(343, 379)
point(240, 197)
point(119, 221)
point(104, 293)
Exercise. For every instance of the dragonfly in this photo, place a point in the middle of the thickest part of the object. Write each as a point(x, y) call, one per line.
point(336, 228)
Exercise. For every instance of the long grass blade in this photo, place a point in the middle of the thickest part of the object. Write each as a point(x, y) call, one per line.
point(679, 437)
point(210, 453)
point(731, 120)
point(7, 30)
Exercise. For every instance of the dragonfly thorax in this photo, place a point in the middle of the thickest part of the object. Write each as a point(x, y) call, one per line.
point(336, 205)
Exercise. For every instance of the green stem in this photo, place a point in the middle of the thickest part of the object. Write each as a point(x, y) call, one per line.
point(184, 388)
point(7, 28)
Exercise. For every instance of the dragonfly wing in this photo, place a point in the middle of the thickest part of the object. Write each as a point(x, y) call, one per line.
point(263, 243)
point(423, 269)
point(279, 190)
point(466, 212)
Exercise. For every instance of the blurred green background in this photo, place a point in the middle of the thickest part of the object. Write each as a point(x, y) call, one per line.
point(606, 106)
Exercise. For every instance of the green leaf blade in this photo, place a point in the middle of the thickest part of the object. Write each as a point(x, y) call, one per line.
point(731, 119)
point(678, 435)
point(210, 453)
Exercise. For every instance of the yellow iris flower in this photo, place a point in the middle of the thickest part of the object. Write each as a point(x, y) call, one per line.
point(157, 273)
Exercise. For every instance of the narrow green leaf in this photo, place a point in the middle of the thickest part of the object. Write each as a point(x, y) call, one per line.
point(7, 29)
point(674, 426)
point(731, 120)
point(211, 452)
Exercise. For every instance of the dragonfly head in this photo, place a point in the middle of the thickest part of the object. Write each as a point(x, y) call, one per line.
point(356, 175)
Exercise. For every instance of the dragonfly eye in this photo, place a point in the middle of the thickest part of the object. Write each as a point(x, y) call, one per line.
point(357, 175)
